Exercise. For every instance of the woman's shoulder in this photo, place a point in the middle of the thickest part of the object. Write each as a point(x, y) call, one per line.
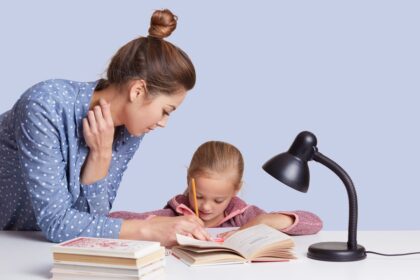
point(57, 88)
point(56, 93)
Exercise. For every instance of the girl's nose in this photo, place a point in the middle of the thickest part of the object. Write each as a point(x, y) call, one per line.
point(205, 206)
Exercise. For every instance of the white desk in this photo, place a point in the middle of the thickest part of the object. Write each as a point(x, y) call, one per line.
point(26, 255)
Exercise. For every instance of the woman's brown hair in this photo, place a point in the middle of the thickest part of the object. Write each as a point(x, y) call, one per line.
point(165, 67)
point(217, 157)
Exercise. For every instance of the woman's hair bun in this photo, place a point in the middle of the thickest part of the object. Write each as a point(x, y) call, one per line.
point(162, 24)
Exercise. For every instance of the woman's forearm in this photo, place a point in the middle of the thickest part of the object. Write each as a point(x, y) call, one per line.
point(95, 167)
point(163, 229)
point(132, 229)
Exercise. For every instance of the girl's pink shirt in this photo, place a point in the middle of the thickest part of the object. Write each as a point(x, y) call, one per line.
point(237, 213)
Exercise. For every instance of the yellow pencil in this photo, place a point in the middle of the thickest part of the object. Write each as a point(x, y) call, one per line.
point(195, 196)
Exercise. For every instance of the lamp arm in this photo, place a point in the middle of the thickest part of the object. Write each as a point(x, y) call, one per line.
point(351, 192)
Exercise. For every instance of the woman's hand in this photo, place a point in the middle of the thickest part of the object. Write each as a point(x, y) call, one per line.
point(164, 229)
point(98, 130)
point(276, 220)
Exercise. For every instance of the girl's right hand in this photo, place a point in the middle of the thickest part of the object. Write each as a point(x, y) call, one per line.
point(164, 229)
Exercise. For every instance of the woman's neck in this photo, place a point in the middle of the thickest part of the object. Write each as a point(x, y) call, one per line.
point(111, 95)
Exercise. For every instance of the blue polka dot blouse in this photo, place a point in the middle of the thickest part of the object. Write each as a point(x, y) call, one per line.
point(42, 150)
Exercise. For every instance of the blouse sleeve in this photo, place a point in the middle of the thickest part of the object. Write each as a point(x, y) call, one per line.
point(101, 194)
point(44, 170)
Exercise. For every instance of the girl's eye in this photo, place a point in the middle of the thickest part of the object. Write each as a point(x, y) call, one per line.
point(219, 201)
point(164, 113)
point(199, 197)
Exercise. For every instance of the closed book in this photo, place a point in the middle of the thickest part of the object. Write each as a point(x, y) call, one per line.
point(158, 274)
point(79, 270)
point(105, 261)
point(132, 249)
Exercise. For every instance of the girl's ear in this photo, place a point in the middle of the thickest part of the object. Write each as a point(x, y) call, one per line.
point(187, 191)
point(137, 89)
point(237, 190)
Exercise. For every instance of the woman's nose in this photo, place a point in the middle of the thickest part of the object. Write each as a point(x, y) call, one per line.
point(162, 123)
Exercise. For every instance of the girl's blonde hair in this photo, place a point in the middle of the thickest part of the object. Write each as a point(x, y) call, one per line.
point(217, 157)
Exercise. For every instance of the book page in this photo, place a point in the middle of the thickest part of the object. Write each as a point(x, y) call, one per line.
point(215, 231)
point(252, 240)
point(189, 241)
point(246, 242)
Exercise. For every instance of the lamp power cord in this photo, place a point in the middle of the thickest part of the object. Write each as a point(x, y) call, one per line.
point(392, 255)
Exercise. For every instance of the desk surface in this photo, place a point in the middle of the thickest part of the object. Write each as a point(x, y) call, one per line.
point(26, 255)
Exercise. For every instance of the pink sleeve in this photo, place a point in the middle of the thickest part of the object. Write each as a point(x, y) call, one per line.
point(239, 219)
point(126, 215)
point(305, 223)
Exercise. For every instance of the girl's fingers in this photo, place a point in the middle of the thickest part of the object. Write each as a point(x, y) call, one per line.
point(196, 220)
point(201, 234)
point(195, 227)
point(226, 234)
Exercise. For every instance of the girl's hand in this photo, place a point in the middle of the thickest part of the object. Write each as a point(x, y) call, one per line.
point(275, 220)
point(164, 229)
point(225, 235)
point(98, 128)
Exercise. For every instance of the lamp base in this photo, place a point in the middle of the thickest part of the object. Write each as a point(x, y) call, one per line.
point(335, 252)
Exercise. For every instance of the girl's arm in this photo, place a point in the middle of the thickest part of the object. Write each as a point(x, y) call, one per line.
point(290, 222)
point(276, 220)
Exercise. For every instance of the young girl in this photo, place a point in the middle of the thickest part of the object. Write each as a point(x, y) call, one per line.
point(217, 169)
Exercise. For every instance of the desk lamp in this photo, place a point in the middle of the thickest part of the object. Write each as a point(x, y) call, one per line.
point(291, 168)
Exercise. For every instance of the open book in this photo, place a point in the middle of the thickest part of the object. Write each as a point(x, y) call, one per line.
point(256, 244)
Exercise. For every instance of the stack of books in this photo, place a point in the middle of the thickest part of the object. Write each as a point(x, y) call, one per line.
point(100, 258)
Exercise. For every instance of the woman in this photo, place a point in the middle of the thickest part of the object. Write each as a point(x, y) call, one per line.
point(65, 145)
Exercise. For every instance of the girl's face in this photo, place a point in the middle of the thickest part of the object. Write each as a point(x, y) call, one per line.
point(213, 196)
point(144, 113)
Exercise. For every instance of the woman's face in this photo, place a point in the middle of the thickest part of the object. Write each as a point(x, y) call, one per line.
point(144, 113)
point(213, 196)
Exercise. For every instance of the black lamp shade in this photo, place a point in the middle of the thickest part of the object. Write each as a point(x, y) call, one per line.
point(290, 170)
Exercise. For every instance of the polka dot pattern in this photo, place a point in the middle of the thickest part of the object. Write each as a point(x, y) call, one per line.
point(42, 151)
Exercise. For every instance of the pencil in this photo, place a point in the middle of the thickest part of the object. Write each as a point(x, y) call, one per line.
point(195, 196)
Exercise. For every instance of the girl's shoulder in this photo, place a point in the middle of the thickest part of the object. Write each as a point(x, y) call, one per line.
point(236, 204)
